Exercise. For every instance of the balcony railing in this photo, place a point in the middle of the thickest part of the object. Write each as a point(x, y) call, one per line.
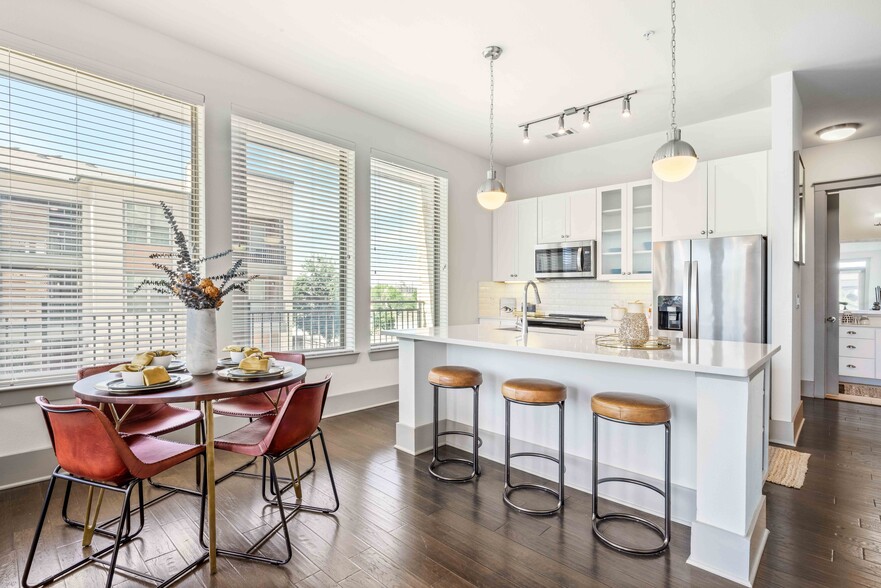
point(397, 314)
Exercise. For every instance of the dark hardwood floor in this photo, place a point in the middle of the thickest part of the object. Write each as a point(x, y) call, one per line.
point(398, 527)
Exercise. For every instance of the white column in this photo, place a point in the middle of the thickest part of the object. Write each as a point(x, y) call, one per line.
point(415, 396)
point(729, 533)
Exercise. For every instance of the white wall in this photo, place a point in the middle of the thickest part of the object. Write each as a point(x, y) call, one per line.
point(827, 163)
point(630, 160)
point(784, 283)
point(77, 34)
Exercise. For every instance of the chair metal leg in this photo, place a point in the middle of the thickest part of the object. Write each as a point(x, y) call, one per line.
point(477, 442)
point(597, 519)
point(322, 509)
point(510, 488)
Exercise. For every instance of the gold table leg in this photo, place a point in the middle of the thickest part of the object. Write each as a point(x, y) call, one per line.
point(209, 473)
point(296, 476)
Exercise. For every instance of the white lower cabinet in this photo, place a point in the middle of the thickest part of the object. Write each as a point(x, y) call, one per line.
point(859, 352)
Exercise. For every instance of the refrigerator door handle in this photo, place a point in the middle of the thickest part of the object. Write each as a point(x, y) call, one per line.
point(694, 299)
point(686, 303)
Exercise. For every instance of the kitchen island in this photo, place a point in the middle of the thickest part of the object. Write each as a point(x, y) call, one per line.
point(718, 392)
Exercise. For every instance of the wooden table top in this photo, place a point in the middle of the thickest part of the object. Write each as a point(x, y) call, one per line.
point(208, 387)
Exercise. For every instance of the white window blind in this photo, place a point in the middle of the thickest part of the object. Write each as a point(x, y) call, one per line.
point(84, 162)
point(408, 250)
point(293, 225)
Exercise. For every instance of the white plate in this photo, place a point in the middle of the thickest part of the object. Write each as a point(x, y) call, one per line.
point(227, 362)
point(275, 372)
point(237, 372)
point(176, 366)
point(117, 386)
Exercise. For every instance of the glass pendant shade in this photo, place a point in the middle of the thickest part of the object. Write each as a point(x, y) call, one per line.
point(675, 160)
point(491, 194)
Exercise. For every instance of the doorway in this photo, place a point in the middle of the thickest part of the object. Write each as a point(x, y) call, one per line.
point(847, 290)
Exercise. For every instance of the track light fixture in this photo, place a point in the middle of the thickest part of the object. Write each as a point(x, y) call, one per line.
point(560, 117)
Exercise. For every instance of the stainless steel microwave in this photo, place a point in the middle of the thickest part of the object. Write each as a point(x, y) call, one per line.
point(574, 259)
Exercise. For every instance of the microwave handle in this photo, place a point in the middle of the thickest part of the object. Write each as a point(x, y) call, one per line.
point(580, 257)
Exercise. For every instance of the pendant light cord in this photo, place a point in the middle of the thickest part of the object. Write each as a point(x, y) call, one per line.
point(492, 88)
point(673, 77)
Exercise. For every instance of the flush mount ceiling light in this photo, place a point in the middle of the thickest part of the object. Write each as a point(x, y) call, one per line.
point(491, 193)
point(562, 131)
point(676, 159)
point(838, 132)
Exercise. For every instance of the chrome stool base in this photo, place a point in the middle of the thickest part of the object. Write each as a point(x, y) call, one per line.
point(598, 519)
point(511, 488)
point(477, 443)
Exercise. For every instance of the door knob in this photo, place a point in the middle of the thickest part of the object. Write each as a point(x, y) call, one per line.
point(831, 319)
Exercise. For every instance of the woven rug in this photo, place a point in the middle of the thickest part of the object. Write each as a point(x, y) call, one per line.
point(859, 390)
point(787, 467)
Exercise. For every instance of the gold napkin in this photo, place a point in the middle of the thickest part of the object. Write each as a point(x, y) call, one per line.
point(236, 348)
point(163, 352)
point(255, 363)
point(155, 375)
point(252, 351)
point(144, 359)
point(126, 367)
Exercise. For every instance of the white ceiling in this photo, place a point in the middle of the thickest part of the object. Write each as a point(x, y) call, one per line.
point(856, 214)
point(419, 64)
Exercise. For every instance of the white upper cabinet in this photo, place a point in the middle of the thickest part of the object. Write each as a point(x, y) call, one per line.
point(738, 195)
point(567, 217)
point(514, 234)
point(680, 210)
point(582, 215)
point(624, 213)
point(553, 217)
point(722, 198)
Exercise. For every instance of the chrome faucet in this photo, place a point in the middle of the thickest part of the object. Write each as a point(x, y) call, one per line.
point(525, 325)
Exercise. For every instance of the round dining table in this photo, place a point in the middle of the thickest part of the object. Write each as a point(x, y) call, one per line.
point(203, 390)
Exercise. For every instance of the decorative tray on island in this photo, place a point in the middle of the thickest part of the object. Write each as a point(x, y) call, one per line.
point(614, 341)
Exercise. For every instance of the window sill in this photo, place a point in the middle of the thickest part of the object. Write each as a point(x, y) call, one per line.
point(331, 358)
point(383, 353)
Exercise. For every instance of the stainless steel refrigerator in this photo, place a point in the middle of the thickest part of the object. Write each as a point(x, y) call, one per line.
point(711, 288)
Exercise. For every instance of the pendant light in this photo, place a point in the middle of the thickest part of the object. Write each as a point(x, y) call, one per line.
point(676, 159)
point(491, 193)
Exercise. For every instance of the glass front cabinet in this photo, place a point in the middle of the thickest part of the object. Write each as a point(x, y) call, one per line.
point(624, 223)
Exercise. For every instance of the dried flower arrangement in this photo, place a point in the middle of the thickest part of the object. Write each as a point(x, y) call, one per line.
point(184, 281)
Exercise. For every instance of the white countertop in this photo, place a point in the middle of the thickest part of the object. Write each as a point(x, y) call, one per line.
point(724, 358)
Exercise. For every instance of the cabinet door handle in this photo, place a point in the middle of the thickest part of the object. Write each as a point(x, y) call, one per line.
point(711, 231)
point(851, 366)
point(851, 346)
point(851, 332)
point(703, 232)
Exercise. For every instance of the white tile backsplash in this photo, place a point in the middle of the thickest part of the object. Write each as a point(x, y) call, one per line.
point(572, 296)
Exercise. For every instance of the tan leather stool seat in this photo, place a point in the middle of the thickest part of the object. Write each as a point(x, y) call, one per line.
point(455, 376)
point(630, 408)
point(534, 391)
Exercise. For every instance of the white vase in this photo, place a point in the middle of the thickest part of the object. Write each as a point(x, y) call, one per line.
point(201, 341)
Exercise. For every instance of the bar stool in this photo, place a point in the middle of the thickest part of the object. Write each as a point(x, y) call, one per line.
point(532, 392)
point(640, 410)
point(455, 377)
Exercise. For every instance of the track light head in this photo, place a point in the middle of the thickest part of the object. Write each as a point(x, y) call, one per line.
point(625, 108)
point(526, 134)
point(561, 125)
point(586, 122)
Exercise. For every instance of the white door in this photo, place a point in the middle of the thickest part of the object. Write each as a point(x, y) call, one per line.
point(738, 195)
point(582, 215)
point(680, 208)
point(526, 230)
point(552, 218)
point(506, 242)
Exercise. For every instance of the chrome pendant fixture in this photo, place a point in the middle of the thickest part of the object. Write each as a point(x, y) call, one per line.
point(491, 193)
point(676, 159)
